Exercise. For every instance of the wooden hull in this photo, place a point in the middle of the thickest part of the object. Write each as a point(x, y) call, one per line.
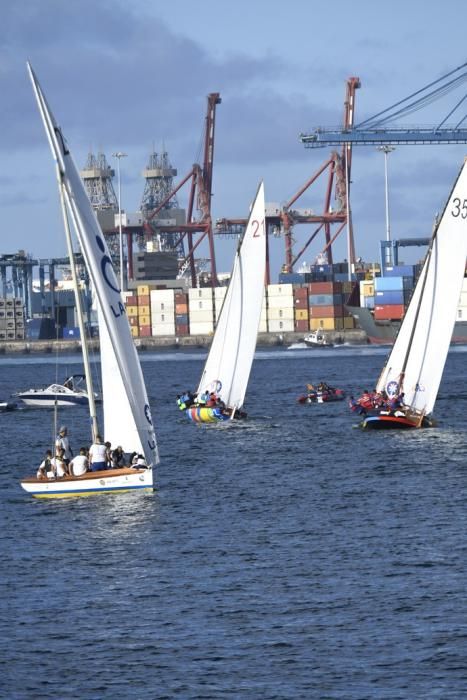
point(91, 483)
point(386, 422)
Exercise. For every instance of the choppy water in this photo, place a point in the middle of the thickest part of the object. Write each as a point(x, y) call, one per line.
point(290, 556)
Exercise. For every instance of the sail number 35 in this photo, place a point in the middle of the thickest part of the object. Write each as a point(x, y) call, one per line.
point(459, 208)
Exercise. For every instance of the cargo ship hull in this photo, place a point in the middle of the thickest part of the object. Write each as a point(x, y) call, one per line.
point(385, 332)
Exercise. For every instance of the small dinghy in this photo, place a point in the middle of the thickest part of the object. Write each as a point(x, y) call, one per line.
point(323, 393)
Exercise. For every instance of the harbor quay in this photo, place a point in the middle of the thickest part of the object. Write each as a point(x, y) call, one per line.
point(164, 343)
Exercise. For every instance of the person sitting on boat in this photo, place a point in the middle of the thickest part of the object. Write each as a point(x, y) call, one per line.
point(59, 465)
point(118, 457)
point(79, 464)
point(108, 454)
point(212, 401)
point(97, 455)
point(355, 406)
point(63, 441)
point(396, 404)
point(45, 470)
point(138, 462)
point(180, 403)
point(188, 398)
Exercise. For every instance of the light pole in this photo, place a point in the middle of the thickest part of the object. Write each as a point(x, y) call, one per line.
point(118, 155)
point(387, 149)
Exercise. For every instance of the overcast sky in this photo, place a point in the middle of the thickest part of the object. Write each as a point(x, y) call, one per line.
point(135, 74)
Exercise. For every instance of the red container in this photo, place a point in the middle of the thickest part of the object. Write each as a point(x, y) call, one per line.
point(325, 287)
point(300, 293)
point(181, 298)
point(133, 320)
point(144, 300)
point(131, 301)
point(182, 329)
point(388, 312)
point(145, 331)
point(302, 325)
point(327, 311)
point(301, 302)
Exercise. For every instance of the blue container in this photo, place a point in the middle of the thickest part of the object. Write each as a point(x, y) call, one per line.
point(181, 319)
point(399, 271)
point(325, 299)
point(390, 297)
point(393, 284)
point(291, 278)
point(41, 329)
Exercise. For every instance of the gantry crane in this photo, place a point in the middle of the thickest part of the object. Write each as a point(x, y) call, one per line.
point(378, 130)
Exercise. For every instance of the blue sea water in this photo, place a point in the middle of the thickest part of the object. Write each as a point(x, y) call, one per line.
point(288, 556)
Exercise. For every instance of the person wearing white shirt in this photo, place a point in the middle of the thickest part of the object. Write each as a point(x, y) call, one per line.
point(98, 455)
point(79, 464)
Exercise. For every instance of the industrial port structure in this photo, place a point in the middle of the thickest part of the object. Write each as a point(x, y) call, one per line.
point(162, 239)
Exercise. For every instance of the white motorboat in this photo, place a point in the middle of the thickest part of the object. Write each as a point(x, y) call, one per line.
point(316, 339)
point(71, 393)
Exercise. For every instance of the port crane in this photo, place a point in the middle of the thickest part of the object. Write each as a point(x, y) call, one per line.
point(379, 129)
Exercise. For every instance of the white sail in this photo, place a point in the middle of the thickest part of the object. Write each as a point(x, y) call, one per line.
point(419, 353)
point(228, 365)
point(105, 284)
point(119, 426)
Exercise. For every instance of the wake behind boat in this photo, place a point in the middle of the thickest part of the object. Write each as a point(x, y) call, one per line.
point(410, 380)
point(127, 415)
point(222, 388)
point(71, 393)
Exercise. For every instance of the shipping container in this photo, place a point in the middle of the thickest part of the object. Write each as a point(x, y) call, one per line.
point(201, 327)
point(145, 331)
point(401, 271)
point(181, 298)
point(325, 288)
point(326, 324)
point(145, 320)
point(144, 310)
point(275, 314)
point(200, 293)
point(220, 292)
point(390, 297)
point(131, 310)
point(276, 326)
point(181, 308)
point(182, 329)
point(301, 314)
point(367, 288)
point(283, 290)
point(71, 332)
point(164, 296)
point(163, 329)
point(201, 316)
point(159, 318)
point(392, 284)
point(325, 300)
point(181, 319)
point(389, 312)
point(201, 305)
point(263, 326)
point(367, 302)
point(280, 302)
point(301, 326)
point(133, 320)
point(302, 303)
point(334, 310)
point(144, 300)
point(134, 331)
point(142, 290)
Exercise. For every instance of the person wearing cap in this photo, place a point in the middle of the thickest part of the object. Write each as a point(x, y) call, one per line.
point(63, 442)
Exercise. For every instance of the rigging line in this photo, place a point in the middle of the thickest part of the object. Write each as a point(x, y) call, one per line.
point(451, 112)
point(418, 92)
point(462, 120)
point(421, 102)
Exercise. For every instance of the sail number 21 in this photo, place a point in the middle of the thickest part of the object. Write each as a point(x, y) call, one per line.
point(458, 208)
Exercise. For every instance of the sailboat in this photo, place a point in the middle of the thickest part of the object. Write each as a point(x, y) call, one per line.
point(127, 415)
point(415, 366)
point(228, 365)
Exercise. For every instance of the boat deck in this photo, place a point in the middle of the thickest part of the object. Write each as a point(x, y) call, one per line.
point(122, 471)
